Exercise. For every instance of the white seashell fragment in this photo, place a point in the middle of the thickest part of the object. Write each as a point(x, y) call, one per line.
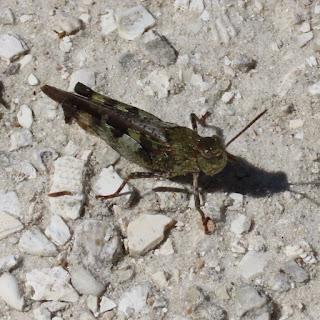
point(8, 225)
point(68, 176)
point(132, 23)
point(51, 284)
point(10, 203)
point(25, 116)
point(58, 231)
point(11, 47)
point(20, 138)
point(108, 22)
point(85, 76)
point(83, 281)
point(302, 250)
point(10, 292)
point(34, 242)
point(146, 232)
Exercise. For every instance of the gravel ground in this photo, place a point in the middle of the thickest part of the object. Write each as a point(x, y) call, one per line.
point(146, 256)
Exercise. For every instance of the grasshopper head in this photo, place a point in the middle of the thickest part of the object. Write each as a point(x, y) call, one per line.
point(211, 155)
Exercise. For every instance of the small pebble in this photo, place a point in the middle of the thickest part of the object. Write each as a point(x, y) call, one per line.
point(58, 231)
point(10, 292)
point(6, 16)
point(65, 45)
point(20, 138)
point(70, 25)
point(251, 301)
point(85, 76)
point(146, 232)
point(85, 18)
point(32, 80)
point(253, 264)
point(92, 303)
point(240, 224)
point(167, 248)
point(25, 18)
point(25, 117)
point(9, 225)
point(134, 299)
point(312, 61)
point(34, 242)
point(108, 22)
point(84, 282)
point(9, 262)
point(297, 273)
point(52, 284)
point(106, 304)
point(10, 203)
point(132, 23)
point(41, 314)
point(304, 38)
point(11, 47)
point(227, 97)
point(157, 48)
point(305, 27)
point(108, 183)
point(296, 123)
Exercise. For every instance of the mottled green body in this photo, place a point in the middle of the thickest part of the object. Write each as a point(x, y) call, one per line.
point(139, 136)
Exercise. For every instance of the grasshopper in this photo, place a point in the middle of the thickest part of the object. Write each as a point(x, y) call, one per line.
point(165, 149)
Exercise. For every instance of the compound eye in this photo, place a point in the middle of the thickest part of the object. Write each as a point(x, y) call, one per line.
point(207, 154)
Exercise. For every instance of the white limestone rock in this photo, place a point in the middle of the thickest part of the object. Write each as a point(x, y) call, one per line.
point(11, 47)
point(146, 232)
point(58, 231)
point(133, 22)
point(8, 225)
point(51, 284)
point(10, 292)
point(34, 242)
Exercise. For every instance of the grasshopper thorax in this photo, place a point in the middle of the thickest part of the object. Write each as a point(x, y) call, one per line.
point(211, 155)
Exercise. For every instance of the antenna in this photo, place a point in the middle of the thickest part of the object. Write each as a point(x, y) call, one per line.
point(244, 129)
